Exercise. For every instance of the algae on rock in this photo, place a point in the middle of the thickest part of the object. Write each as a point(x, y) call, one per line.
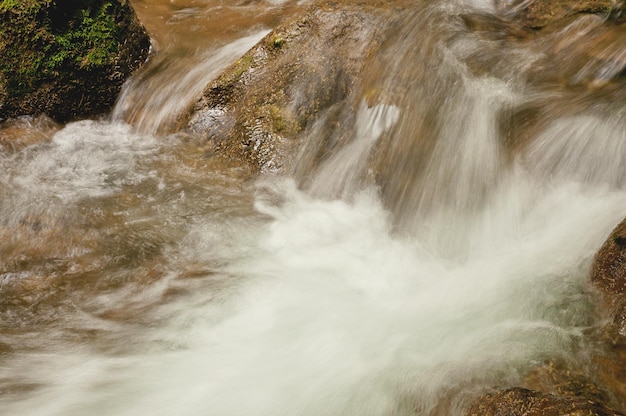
point(261, 107)
point(69, 58)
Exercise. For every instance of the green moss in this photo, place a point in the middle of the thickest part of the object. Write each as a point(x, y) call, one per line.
point(40, 39)
point(282, 120)
point(23, 6)
point(92, 43)
point(278, 42)
point(7, 5)
point(242, 65)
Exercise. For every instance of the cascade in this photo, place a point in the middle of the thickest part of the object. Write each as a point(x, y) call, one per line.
point(441, 251)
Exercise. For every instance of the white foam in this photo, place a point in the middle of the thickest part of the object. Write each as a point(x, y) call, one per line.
point(336, 315)
point(85, 159)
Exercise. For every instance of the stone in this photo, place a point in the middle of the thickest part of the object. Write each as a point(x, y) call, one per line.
point(608, 272)
point(259, 109)
point(524, 402)
point(553, 14)
point(67, 59)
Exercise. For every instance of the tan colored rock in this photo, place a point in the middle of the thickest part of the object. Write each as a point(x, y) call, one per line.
point(608, 275)
point(608, 272)
point(524, 402)
point(259, 108)
point(557, 378)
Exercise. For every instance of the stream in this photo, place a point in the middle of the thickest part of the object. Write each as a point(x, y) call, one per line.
point(442, 252)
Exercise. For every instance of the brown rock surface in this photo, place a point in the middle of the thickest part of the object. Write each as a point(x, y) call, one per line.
point(259, 108)
point(608, 272)
point(552, 14)
point(524, 402)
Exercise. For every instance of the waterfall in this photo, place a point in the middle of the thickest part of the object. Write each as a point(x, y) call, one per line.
point(440, 251)
point(154, 101)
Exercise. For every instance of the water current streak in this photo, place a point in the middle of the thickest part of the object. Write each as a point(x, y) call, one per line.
point(442, 251)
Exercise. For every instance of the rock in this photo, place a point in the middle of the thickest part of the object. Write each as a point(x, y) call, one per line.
point(67, 59)
point(579, 42)
point(259, 108)
point(618, 323)
point(553, 14)
point(608, 276)
point(558, 378)
point(612, 372)
point(608, 272)
point(524, 402)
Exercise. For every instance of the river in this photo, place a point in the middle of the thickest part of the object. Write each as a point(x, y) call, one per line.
point(140, 274)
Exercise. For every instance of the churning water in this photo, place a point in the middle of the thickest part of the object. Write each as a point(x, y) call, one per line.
point(140, 276)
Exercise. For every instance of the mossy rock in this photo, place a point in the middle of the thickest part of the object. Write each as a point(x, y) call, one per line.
point(260, 108)
point(66, 58)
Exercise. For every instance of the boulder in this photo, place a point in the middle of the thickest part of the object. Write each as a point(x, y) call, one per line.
point(66, 58)
point(259, 108)
point(608, 272)
point(608, 276)
point(524, 402)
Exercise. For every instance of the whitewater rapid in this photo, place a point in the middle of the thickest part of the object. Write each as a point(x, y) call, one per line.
point(140, 273)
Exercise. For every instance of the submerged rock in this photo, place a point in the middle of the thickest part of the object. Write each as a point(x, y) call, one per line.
point(562, 379)
point(524, 402)
point(67, 59)
point(550, 14)
point(608, 272)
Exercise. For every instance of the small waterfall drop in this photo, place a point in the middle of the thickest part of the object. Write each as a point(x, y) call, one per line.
point(339, 175)
point(441, 250)
point(154, 100)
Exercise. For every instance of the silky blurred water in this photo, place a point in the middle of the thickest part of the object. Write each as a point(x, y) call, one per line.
point(442, 252)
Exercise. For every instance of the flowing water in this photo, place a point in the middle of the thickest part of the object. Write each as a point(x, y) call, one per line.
point(442, 252)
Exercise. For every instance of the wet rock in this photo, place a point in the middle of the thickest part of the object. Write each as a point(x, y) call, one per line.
point(608, 272)
point(566, 380)
point(552, 14)
point(578, 43)
point(67, 59)
point(259, 108)
point(619, 318)
point(524, 402)
point(612, 371)
point(608, 276)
